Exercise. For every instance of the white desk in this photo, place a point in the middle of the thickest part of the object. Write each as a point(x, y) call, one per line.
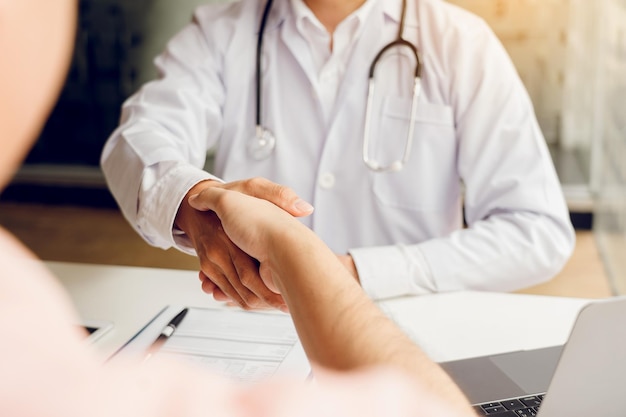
point(128, 296)
point(448, 326)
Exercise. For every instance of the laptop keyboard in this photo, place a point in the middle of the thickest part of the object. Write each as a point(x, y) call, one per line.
point(526, 406)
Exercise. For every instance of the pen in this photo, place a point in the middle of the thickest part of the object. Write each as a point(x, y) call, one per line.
point(166, 332)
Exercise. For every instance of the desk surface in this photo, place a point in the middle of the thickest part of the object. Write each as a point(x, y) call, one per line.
point(128, 296)
point(447, 326)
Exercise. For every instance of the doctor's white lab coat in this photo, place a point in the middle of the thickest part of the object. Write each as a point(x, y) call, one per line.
point(478, 153)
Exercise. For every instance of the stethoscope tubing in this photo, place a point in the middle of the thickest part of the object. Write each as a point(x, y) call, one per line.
point(259, 52)
point(264, 138)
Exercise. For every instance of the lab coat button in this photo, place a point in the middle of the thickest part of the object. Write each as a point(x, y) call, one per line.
point(327, 180)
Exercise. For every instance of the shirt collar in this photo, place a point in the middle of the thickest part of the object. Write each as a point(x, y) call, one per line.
point(391, 8)
point(301, 11)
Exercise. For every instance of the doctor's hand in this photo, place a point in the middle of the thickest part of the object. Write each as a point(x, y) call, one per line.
point(227, 272)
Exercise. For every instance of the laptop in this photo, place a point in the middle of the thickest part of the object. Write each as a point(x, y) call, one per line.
point(584, 377)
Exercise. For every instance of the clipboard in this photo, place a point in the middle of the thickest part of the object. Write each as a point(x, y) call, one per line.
point(243, 345)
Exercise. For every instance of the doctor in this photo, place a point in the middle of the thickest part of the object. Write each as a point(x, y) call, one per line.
point(398, 120)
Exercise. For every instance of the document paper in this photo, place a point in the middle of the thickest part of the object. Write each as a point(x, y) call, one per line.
point(244, 345)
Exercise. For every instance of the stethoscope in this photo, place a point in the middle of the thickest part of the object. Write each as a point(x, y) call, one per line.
point(263, 143)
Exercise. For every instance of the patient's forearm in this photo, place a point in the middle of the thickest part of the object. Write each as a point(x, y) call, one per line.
point(339, 326)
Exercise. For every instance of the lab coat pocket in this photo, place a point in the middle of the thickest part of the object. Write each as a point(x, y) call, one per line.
point(429, 180)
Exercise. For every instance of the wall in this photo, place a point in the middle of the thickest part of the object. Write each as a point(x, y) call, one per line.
point(610, 128)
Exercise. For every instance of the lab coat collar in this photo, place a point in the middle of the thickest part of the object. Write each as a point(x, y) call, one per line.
point(392, 9)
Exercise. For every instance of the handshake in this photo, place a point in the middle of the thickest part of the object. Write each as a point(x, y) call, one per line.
point(236, 227)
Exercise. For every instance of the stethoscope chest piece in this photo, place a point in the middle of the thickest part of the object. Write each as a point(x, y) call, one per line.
point(262, 144)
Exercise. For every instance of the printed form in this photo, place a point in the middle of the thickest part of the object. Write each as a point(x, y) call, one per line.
point(243, 345)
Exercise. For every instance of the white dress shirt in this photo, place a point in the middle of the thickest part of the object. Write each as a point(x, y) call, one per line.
point(477, 148)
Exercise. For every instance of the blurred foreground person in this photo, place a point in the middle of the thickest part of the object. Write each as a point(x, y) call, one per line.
point(363, 364)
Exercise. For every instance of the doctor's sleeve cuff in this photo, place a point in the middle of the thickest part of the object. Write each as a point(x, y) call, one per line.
point(160, 207)
point(393, 271)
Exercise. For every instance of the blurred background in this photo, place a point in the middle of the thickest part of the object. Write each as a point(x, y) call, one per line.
point(571, 55)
